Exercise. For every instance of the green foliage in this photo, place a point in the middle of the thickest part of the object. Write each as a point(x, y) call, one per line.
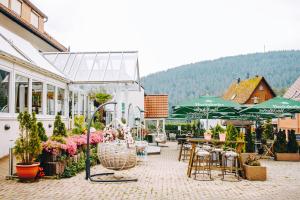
point(280, 143)
point(59, 128)
point(28, 146)
point(79, 125)
point(41, 132)
point(98, 125)
point(267, 130)
point(59, 138)
point(76, 167)
point(249, 143)
point(216, 130)
point(292, 145)
point(231, 135)
point(280, 68)
point(102, 98)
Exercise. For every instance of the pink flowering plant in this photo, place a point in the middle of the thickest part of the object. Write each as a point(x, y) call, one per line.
point(53, 147)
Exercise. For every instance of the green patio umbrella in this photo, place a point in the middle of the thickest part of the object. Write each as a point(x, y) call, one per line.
point(206, 107)
point(277, 106)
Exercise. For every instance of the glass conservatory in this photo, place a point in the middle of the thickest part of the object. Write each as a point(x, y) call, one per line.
point(48, 83)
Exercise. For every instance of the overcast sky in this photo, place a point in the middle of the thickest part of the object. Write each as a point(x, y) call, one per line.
point(169, 33)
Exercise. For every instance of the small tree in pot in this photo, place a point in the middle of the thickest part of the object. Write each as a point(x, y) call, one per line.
point(28, 146)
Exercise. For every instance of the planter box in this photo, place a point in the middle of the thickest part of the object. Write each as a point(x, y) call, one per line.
point(255, 173)
point(54, 168)
point(287, 156)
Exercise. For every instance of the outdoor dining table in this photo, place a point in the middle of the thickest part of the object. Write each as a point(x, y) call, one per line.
point(195, 141)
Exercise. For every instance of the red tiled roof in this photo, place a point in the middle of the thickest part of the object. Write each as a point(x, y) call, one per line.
point(156, 106)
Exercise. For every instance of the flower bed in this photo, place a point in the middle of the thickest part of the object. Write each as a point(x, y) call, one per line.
point(59, 158)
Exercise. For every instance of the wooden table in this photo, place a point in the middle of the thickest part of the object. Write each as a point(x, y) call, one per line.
point(195, 141)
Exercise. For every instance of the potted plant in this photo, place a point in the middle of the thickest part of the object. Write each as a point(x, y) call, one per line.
point(286, 151)
point(253, 170)
point(28, 147)
point(207, 135)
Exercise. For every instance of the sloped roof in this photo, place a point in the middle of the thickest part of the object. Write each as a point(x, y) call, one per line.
point(242, 91)
point(17, 47)
point(294, 91)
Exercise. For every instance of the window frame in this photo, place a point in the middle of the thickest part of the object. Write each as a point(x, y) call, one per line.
point(29, 107)
point(10, 5)
point(3, 68)
point(31, 22)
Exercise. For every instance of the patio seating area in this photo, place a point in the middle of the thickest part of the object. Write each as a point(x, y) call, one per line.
point(161, 177)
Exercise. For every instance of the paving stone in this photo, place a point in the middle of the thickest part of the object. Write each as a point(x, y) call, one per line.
point(162, 177)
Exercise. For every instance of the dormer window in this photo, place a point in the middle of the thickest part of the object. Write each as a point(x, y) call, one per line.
point(34, 19)
point(4, 2)
point(16, 6)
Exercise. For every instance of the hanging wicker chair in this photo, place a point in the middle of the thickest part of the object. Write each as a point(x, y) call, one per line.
point(116, 156)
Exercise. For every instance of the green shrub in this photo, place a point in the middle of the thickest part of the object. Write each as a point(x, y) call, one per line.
point(216, 130)
point(98, 126)
point(41, 132)
point(280, 143)
point(249, 143)
point(267, 130)
point(59, 128)
point(292, 145)
point(79, 125)
point(28, 146)
point(231, 135)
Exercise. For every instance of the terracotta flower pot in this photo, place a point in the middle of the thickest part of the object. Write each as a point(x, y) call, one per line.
point(222, 136)
point(27, 171)
point(207, 136)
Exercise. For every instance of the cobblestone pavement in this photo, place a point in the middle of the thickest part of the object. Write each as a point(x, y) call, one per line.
point(162, 177)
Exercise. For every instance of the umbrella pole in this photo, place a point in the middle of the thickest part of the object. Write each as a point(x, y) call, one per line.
point(207, 121)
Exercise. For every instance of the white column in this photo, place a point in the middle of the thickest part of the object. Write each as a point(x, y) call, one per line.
point(55, 101)
point(164, 123)
point(30, 96)
point(44, 99)
point(72, 123)
point(12, 90)
point(66, 103)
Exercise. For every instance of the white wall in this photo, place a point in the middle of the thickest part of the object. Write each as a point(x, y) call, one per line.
point(11, 117)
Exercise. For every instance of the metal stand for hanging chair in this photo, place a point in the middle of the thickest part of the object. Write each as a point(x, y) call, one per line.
point(87, 162)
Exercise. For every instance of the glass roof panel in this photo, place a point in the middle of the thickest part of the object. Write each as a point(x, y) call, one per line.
point(22, 49)
point(97, 67)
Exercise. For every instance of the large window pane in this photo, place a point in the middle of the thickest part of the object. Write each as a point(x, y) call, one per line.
point(61, 101)
point(76, 104)
point(4, 2)
point(16, 6)
point(4, 90)
point(22, 84)
point(70, 104)
point(50, 100)
point(37, 94)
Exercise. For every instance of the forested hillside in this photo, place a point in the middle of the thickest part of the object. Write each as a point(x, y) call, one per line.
point(213, 77)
